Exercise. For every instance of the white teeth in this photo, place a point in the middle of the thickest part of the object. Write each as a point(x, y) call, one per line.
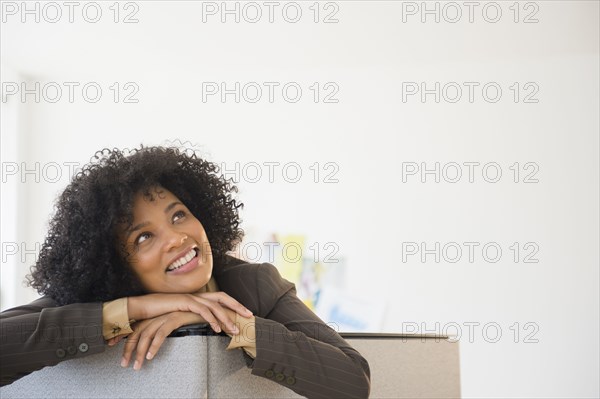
point(182, 261)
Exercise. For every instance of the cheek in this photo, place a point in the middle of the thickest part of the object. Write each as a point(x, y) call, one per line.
point(143, 263)
point(147, 272)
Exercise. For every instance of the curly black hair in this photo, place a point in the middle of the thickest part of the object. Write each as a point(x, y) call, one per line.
point(80, 260)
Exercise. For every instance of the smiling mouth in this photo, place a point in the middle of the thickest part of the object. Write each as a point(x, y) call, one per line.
point(183, 260)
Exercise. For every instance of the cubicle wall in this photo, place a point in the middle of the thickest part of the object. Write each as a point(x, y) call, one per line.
point(198, 366)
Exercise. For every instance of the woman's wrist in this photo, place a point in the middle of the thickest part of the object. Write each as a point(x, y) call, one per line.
point(132, 312)
point(153, 305)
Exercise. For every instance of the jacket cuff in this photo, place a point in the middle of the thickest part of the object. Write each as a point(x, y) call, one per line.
point(115, 319)
point(246, 339)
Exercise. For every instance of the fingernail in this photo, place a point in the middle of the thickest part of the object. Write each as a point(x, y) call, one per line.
point(111, 343)
point(149, 356)
point(248, 312)
point(123, 362)
point(235, 330)
point(136, 365)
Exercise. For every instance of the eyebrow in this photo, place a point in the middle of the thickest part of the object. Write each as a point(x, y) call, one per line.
point(144, 224)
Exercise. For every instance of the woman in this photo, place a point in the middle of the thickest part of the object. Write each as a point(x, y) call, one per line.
point(138, 248)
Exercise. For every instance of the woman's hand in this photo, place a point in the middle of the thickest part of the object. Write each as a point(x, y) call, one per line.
point(210, 305)
point(148, 335)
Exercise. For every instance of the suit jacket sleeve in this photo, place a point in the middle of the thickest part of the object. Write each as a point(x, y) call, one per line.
point(294, 347)
point(43, 334)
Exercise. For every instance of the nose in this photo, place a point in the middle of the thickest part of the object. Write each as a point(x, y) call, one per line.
point(176, 240)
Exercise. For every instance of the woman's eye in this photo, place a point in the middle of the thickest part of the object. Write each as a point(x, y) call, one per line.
point(139, 240)
point(178, 215)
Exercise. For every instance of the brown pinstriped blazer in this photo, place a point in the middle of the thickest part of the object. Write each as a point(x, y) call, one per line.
point(290, 339)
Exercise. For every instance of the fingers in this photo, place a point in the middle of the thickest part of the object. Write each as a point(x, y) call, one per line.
point(136, 341)
point(227, 301)
point(159, 338)
point(146, 337)
point(205, 311)
point(140, 341)
point(149, 335)
point(216, 315)
point(115, 340)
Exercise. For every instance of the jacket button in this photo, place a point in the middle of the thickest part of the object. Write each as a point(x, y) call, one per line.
point(290, 380)
point(269, 373)
point(83, 347)
point(279, 377)
point(71, 350)
point(60, 353)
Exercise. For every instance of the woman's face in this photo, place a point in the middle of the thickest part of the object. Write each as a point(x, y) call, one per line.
point(170, 252)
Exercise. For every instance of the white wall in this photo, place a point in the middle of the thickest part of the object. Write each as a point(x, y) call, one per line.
point(369, 134)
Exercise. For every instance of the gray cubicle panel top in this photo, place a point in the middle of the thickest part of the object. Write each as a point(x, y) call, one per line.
point(204, 329)
point(365, 335)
